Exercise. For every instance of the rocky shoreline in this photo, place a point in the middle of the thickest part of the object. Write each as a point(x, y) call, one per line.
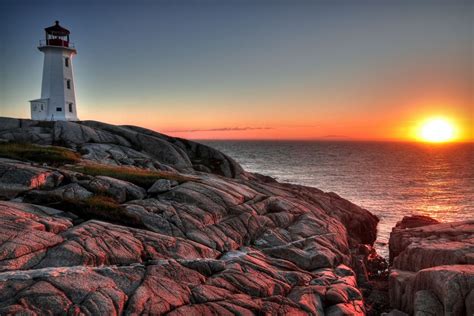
point(100, 219)
point(433, 267)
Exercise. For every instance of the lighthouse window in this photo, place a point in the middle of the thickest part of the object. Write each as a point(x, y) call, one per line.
point(68, 84)
point(59, 109)
point(42, 107)
point(66, 62)
point(70, 107)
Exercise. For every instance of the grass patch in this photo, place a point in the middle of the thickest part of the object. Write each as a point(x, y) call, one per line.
point(141, 177)
point(98, 207)
point(106, 208)
point(51, 155)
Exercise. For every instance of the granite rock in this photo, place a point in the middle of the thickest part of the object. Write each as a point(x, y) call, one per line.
point(433, 267)
point(222, 241)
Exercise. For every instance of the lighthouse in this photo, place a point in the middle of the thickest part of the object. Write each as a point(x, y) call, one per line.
point(58, 100)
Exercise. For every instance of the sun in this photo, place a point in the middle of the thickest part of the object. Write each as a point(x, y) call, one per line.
point(437, 130)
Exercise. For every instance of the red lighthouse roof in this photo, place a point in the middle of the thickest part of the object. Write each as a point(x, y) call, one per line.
point(57, 30)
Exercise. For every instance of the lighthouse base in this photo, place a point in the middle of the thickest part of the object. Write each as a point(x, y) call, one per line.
point(43, 110)
point(39, 109)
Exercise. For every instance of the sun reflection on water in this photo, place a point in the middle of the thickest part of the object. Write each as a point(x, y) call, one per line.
point(391, 180)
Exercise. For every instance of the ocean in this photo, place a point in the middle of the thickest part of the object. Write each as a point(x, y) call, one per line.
point(389, 179)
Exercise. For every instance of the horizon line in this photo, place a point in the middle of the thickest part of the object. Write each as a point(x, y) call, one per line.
point(334, 140)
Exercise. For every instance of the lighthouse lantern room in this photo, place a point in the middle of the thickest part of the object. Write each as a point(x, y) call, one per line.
point(58, 100)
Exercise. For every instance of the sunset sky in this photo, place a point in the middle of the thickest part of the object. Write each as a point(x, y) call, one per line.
point(240, 70)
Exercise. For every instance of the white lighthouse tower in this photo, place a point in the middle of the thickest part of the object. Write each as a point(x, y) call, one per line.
point(58, 100)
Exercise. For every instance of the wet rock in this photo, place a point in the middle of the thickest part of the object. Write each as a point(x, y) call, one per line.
point(415, 221)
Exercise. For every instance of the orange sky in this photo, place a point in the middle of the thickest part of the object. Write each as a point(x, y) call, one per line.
point(362, 71)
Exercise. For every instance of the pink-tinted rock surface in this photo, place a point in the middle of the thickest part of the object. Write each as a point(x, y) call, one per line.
point(221, 241)
point(433, 268)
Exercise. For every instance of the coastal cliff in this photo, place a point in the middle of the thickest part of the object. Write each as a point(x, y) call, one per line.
point(100, 219)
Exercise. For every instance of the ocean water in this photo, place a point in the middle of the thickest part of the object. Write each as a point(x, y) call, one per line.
point(391, 180)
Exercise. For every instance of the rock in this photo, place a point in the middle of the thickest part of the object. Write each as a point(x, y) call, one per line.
point(149, 142)
point(202, 157)
point(355, 309)
point(426, 303)
point(433, 267)
point(119, 190)
point(449, 287)
point(69, 192)
point(395, 312)
point(309, 300)
point(26, 233)
point(73, 134)
point(161, 185)
point(34, 134)
point(97, 243)
point(417, 248)
point(17, 177)
point(19, 130)
point(7, 123)
point(415, 221)
point(225, 242)
point(117, 155)
point(401, 289)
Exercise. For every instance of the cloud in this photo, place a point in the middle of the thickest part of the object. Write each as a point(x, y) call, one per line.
point(221, 129)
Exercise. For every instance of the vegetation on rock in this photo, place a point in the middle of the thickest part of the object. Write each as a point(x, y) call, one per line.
point(99, 207)
point(42, 154)
point(141, 177)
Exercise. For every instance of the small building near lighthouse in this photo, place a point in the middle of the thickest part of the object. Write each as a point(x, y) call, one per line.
point(58, 99)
